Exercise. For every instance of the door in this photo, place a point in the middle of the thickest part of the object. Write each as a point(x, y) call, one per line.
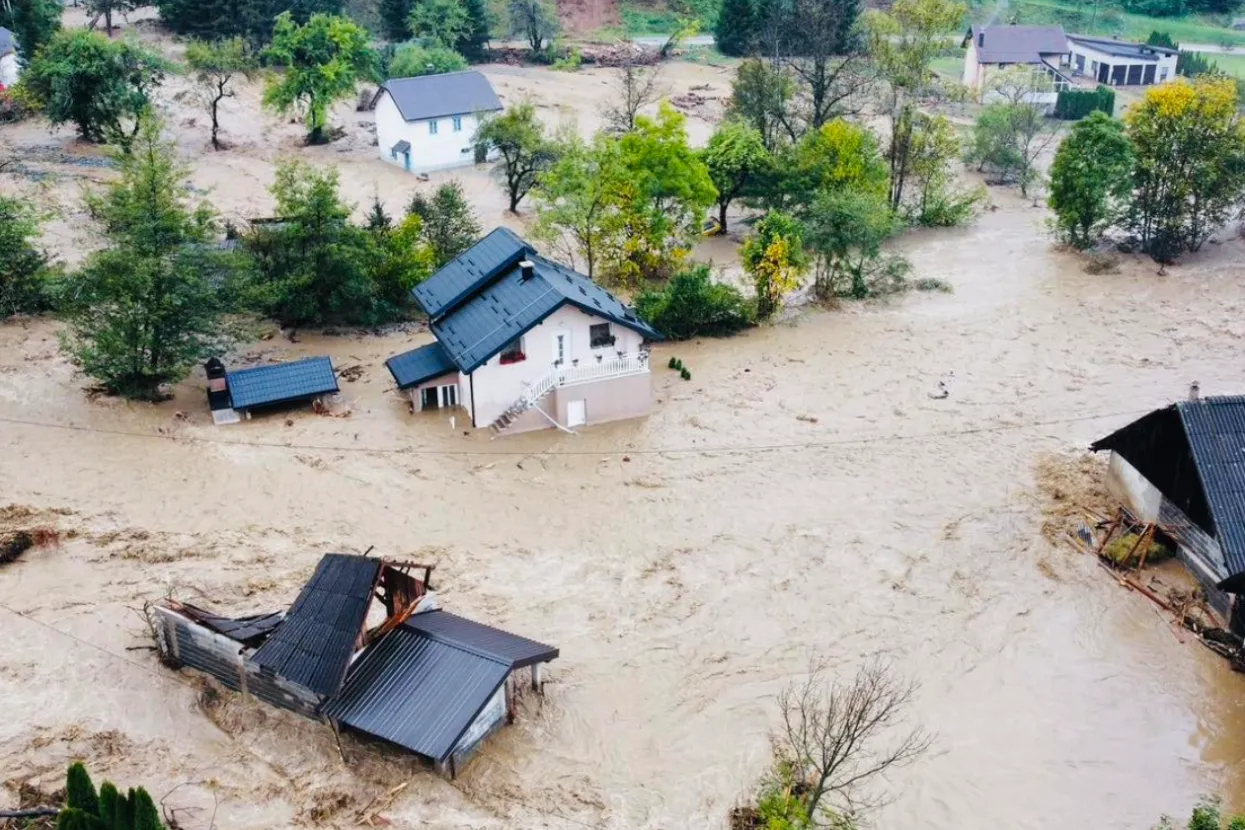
point(449, 397)
point(428, 398)
point(1134, 74)
point(576, 413)
point(1103, 73)
point(1149, 76)
point(407, 160)
point(561, 347)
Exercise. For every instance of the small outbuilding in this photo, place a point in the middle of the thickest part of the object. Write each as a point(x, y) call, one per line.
point(233, 395)
point(430, 122)
point(1121, 63)
point(9, 67)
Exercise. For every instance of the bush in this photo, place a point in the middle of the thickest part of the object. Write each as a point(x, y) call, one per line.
point(109, 810)
point(933, 284)
point(685, 374)
point(1075, 104)
point(411, 60)
point(23, 267)
point(673, 364)
point(1120, 551)
point(692, 304)
point(571, 63)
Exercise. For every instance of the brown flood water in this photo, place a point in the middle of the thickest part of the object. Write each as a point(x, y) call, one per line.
point(802, 494)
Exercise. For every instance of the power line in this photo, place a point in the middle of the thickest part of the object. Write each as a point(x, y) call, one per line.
point(726, 449)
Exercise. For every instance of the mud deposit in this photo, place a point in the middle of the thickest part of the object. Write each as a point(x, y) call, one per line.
point(803, 493)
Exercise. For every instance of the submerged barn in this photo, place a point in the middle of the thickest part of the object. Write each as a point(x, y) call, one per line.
point(233, 395)
point(429, 681)
point(1182, 468)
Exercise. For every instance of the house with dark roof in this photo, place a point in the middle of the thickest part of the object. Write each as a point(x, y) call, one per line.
point(1121, 63)
point(234, 395)
point(430, 122)
point(9, 67)
point(1182, 468)
point(991, 48)
point(524, 343)
point(431, 682)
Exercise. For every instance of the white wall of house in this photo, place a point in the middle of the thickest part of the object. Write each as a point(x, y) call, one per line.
point(8, 70)
point(1165, 68)
point(972, 69)
point(497, 386)
point(452, 145)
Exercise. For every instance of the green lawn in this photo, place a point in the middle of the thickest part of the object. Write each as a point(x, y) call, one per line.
point(1108, 19)
point(951, 66)
point(1232, 64)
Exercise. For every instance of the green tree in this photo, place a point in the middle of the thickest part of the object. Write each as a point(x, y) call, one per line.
point(108, 801)
point(775, 259)
point(536, 21)
point(474, 44)
point(412, 60)
point(526, 152)
point(323, 61)
point(1190, 163)
point(735, 155)
point(215, 65)
point(577, 200)
point(762, 96)
point(96, 84)
point(1163, 39)
point(692, 305)
point(80, 791)
point(144, 310)
point(23, 266)
point(33, 23)
point(935, 198)
point(1090, 179)
point(736, 30)
point(839, 156)
point(845, 231)
point(252, 19)
point(449, 224)
point(404, 259)
point(441, 22)
point(146, 816)
point(378, 219)
point(1008, 138)
point(107, 8)
point(395, 16)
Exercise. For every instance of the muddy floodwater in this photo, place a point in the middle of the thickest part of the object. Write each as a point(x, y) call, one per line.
point(802, 495)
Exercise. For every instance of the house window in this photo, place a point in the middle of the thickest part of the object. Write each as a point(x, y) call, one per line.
point(599, 336)
point(458, 123)
point(513, 352)
point(432, 127)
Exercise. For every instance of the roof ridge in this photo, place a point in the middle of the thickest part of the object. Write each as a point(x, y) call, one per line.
point(433, 75)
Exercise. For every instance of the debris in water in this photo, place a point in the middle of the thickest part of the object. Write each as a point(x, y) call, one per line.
point(14, 545)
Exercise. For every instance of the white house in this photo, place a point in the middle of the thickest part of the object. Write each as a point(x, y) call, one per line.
point(1120, 63)
point(9, 69)
point(1045, 49)
point(430, 122)
point(524, 343)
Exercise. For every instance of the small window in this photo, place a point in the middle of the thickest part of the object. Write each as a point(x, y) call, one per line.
point(599, 336)
point(513, 352)
point(458, 123)
point(432, 127)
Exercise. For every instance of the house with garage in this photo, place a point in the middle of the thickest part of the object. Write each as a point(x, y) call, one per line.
point(525, 343)
point(1120, 63)
point(9, 69)
point(233, 396)
point(1182, 469)
point(430, 122)
point(1043, 49)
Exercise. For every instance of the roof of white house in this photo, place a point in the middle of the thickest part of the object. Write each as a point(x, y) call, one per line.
point(436, 96)
point(1124, 48)
point(1017, 44)
point(8, 42)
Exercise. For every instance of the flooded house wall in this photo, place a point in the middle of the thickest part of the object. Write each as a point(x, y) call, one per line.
point(608, 400)
point(448, 379)
point(452, 145)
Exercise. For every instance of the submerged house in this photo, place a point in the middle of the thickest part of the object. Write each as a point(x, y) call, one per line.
point(430, 122)
point(431, 682)
point(1182, 468)
point(524, 343)
point(233, 395)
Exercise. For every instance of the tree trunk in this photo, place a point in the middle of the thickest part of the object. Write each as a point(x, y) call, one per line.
point(722, 215)
point(108, 22)
point(215, 124)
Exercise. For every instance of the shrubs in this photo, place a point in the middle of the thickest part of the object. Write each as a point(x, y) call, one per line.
point(109, 809)
point(677, 365)
point(411, 60)
point(692, 304)
point(1075, 104)
point(23, 267)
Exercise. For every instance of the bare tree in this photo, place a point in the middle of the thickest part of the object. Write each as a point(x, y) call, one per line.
point(839, 737)
point(635, 87)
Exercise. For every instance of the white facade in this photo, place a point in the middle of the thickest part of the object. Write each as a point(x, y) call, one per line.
point(8, 70)
point(974, 72)
point(1120, 70)
point(436, 143)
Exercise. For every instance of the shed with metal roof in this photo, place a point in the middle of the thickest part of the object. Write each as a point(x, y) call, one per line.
point(281, 383)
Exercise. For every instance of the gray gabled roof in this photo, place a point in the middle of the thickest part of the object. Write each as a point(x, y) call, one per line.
point(1017, 44)
point(470, 271)
point(8, 41)
point(418, 365)
point(436, 96)
point(1124, 48)
point(281, 383)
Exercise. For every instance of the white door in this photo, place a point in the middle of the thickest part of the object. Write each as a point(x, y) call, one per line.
point(449, 397)
point(561, 347)
point(576, 413)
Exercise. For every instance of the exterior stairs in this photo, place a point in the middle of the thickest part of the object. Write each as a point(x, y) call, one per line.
point(604, 369)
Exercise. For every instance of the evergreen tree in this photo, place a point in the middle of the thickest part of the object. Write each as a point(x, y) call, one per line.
point(146, 816)
point(108, 799)
point(736, 29)
point(474, 45)
point(450, 225)
point(23, 266)
point(377, 219)
point(33, 22)
point(395, 15)
point(79, 791)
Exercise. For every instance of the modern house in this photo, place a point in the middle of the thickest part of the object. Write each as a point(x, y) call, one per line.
point(1044, 49)
point(9, 69)
point(1182, 468)
point(429, 681)
point(1120, 63)
point(233, 395)
point(430, 122)
point(524, 343)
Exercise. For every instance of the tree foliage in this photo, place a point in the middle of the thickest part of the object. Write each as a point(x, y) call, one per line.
point(536, 21)
point(144, 310)
point(215, 65)
point(1090, 179)
point(251, 19)
point(107, 8)
point(526, 152)
point(412, 60)
point(734, 156)
point(841, 155)
point(1008, 138)
point(577, 200)
point(110, 810)
point(450, 225)
point(23, 265)
point(761, 95)
point(1207, 816)
point(33, 22)
point(775, 259)
point(395, 19)
point(403, 259)
point(323, 61)
point(935, 197)
point(441, 22)
point(736, 31)
point(691, 305)
point(844, 231)
point(103, 87)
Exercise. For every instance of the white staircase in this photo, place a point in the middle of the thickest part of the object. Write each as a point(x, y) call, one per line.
point(606, 369)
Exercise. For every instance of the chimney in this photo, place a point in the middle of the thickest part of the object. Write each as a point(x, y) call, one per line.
point(981, 40)
point(1195, 391)
point(527, 270)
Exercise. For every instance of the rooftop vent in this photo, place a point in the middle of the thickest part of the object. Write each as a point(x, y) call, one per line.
point(527, 270)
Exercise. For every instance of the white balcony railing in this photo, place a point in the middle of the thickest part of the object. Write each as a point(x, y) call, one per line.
point(605, 369)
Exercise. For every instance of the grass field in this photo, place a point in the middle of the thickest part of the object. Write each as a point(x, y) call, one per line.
point(949, 66)
point(1105, 18)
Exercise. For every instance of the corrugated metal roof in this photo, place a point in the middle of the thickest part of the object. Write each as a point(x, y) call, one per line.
point(1216, 431)
point(416, 691)
point(314, 644)
point(1017, 44)
point(470, 271)
point(418, 365)
point(281, 383)
point(436, 96)
point(482, 639)
point(1124, 48)
point(250, 630)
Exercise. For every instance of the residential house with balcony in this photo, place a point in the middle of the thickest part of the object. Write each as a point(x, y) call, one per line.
point(524, 343)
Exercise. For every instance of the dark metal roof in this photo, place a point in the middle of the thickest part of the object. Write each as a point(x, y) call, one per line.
point(250, 630)
point(281, 383)
point(1194, 453)
point(402, 146)
point(470, 271)
point(483, 639)
point(436, 96)
point(314, 644)
point(1123, 48)
point(424, 683)
point(1017, 44)
point(418, 365)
